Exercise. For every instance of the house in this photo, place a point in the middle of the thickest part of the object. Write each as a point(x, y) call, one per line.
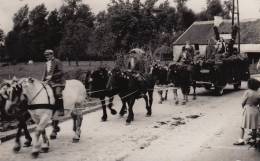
point(201, 31)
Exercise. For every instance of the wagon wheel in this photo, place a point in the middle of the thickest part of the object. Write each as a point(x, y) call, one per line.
point(219, 90)
point(237, 86)
point(208, 87)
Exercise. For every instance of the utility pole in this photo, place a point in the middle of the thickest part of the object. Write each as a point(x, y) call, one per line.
point(235, 11)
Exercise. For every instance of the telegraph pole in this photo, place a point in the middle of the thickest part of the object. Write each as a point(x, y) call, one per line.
point(235, 11)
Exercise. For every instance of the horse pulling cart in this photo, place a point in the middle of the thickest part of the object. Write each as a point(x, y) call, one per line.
point(227, 65)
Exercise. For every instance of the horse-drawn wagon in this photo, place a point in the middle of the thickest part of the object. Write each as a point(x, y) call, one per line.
point(220, 71)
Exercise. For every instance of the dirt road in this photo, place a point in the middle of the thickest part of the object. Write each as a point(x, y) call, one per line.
point(202, 130)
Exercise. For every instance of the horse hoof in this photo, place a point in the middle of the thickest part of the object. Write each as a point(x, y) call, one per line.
point(148, 115)
point(57, 129)
point(194, 98)
point(16, 149)
point(160, 102)
point(27, 143)
point(177, 102)
point(103, 119)
point(52, 137)
point(128, 123)
point(45, 150)
point(75, 140)
point(113, 112)
point(35, 154)
point(183, 103)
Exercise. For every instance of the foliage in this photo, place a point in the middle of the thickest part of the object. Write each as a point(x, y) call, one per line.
point(38, 32)
point(215, 8)
point(1, 36)
point(78, 26)
point(75, 33)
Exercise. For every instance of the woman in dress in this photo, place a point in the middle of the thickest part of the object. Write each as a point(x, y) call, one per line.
point(250, 104)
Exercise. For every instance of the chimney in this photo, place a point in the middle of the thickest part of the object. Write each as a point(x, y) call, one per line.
point(217, 20)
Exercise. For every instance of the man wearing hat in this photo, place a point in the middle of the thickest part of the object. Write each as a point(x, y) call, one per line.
point(53, 75)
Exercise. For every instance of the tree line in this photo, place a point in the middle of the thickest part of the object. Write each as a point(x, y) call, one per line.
point(75, 33)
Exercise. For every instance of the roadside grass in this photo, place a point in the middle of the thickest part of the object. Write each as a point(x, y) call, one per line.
point(36, 70)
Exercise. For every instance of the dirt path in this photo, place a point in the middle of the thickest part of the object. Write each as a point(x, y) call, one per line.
point(202, 130)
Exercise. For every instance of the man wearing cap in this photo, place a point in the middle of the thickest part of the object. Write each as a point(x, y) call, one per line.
point(53, 75)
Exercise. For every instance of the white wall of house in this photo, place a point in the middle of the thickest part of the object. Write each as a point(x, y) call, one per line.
point(249, 48)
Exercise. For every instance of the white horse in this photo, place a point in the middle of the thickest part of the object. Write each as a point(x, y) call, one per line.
point(40, 100)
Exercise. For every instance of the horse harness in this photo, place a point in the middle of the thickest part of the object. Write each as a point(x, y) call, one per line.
point(41, 106)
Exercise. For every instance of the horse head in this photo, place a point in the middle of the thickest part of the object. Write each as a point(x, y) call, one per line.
point(117, 79)
point(26, 91)
point(13, 95)
point(96, 81)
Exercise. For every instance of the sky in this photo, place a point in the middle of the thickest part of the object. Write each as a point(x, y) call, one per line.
point(249, 9)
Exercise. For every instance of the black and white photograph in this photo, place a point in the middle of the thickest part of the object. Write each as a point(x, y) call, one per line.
point(129, 80)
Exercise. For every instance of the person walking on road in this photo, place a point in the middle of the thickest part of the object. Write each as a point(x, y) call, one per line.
point(250, 105)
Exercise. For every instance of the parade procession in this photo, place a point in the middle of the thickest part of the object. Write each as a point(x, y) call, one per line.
point(157, 80)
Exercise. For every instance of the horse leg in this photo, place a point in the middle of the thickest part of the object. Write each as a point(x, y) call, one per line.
point(27, 135)
point(104, 108)
point(77, 116)
point(55, 129)
point(46, 144)
point(187, 93)
point(130, 117)
point(146, 103)
point(175, 96)
point(41, 125)
point(123, 109)
point(110, 104)
point(194, 91)
point(166, 94)
point(160, 92)
point(184, 95)
point(17, 146)
point(150, 100)
point(36, 145)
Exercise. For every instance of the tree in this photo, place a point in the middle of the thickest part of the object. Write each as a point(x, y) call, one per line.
point(227, 8)
point(1, 36)
point(2, 53)
point(78, 21)
point(38, 32)
point(166, 18)
point(180, 4)
point(21, 17)
point(185, 16)
point(17, 39)
point(55, 30)
point(214, 8)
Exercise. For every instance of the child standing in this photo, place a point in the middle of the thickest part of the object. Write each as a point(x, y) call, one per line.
point(250, 104)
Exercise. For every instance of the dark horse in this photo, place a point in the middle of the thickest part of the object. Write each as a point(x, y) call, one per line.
point(131, 86)
point(160, 75)
point(21, 116)
point(96, 83)
point(181, 76)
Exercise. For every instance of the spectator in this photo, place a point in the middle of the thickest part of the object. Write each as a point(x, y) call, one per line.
point(250, 103)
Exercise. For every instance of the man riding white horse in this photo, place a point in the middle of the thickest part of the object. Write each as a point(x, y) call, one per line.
point(53, 75)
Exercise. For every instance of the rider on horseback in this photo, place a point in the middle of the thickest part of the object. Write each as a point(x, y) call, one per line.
point(53, 75)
